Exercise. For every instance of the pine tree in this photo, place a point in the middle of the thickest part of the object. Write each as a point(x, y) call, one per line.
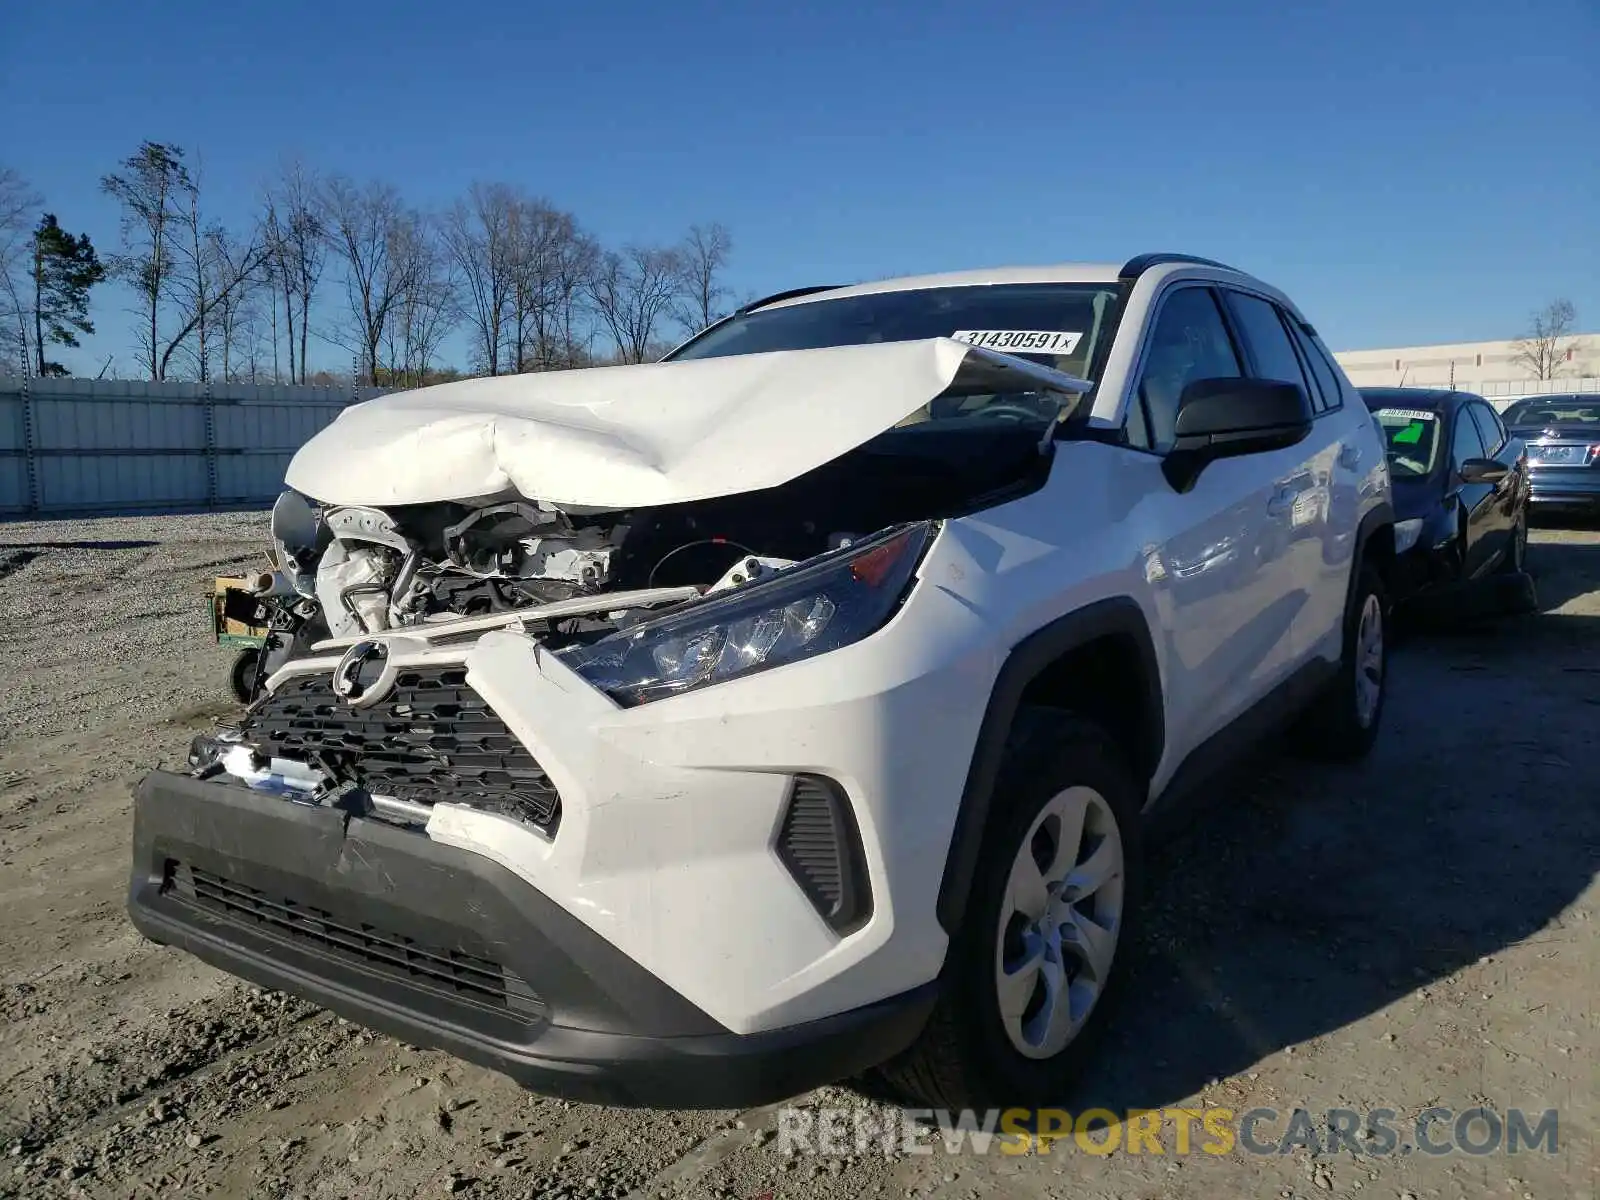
point(64, 269)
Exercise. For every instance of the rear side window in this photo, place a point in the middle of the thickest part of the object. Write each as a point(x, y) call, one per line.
point(1489, 428)
point(1268, 342)
point(1327, 378)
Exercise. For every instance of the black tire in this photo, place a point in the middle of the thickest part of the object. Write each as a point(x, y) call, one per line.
point(242, 679)
point(964, 1058)
point(1334, 728)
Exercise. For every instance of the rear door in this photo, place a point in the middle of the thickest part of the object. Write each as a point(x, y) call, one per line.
point(1300, 513)
point(1477, 500)
point(1360, 453)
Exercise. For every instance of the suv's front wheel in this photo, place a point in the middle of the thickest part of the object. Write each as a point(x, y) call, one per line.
point(1033, 966)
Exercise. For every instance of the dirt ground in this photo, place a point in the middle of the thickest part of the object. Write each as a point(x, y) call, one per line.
point(1417, 931)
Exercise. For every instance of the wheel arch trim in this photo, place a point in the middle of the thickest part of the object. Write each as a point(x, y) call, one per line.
point(1117, 616)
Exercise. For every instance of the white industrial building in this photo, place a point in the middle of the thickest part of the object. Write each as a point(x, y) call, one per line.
point(1496, 369)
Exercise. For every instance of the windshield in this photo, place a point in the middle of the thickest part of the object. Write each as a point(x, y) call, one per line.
point(1058, 325)
point(1554, 410)
point(1412, 438)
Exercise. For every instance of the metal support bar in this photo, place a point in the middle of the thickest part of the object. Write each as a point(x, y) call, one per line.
point(211, 447)
point(31, 466)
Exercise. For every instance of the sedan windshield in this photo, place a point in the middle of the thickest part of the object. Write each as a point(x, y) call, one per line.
point(1059, 325)
point(1412, 438)
point(1554, 410)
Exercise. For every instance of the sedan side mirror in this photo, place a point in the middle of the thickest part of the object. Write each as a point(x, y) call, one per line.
point(1224, 418)
point(1483, 470)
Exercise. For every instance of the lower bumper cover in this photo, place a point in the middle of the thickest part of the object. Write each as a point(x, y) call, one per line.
point(1566, 498)
point(443, 948)
point(1565, 487)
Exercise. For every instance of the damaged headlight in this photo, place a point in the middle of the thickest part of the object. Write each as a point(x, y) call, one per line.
point(807, 610)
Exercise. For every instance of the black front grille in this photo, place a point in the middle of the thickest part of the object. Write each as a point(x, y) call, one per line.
point(430, 739)
point(458, 974)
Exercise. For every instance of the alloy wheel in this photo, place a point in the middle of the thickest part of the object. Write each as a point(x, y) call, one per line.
point(1369, 661)
point(1060, 922)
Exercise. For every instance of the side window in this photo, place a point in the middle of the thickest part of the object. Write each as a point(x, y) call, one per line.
point(1327, 378)
point(1467, 442)
point(1189, 342)
point(1489, 427)
point(1268, 342)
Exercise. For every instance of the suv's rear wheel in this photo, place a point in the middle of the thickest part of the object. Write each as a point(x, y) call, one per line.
point(1343, 724)
point(1034, 965)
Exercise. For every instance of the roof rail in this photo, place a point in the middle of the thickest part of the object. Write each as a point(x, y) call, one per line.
point(1140, 263)
point(791, 294)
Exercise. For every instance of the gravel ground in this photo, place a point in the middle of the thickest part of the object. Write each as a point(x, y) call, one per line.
point(1416, 931)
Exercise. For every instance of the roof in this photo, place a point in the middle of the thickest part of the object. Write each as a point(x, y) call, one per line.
point(1560, 398)
point(1107, 273)
point(1079, 272)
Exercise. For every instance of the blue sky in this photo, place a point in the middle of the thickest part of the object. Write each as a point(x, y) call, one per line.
point(1411, 171)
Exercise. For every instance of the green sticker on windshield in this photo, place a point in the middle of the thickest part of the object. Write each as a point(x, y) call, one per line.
point(1410, 435)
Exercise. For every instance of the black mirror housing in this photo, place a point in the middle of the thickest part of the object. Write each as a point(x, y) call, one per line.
point(1483, 470)
point(1224, 418)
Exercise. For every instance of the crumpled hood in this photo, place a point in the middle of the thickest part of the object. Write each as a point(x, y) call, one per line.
point(657, 433)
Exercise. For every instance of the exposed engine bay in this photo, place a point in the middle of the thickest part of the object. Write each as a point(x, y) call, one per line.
point(347, 570)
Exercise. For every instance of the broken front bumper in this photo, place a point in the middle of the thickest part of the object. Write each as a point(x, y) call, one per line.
point(445, 948)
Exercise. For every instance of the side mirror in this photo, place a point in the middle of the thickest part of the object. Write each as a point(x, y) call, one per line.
point(1224, 418)
point(1483, 470)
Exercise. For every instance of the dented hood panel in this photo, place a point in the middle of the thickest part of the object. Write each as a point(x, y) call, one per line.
point(633, 436)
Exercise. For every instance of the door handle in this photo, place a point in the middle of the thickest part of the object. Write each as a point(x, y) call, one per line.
point(1349, 457)
point(1282, 501)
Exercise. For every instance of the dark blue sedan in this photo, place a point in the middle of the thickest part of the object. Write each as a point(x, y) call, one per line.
point(1461, 488)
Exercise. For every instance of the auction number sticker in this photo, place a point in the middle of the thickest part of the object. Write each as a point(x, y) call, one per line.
point(1021, 341)
point(1404, 416)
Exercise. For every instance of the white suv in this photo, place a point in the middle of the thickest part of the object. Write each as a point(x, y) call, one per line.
point(700, 732)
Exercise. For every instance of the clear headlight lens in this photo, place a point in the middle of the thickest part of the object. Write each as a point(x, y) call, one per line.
point(1406, 534)
point(806, 610)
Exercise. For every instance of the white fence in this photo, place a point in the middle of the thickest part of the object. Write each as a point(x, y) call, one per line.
point(1538, 387)
point(83, 445)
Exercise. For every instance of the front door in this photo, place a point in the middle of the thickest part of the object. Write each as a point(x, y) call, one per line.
point(1479, 501)
point(1222, 560)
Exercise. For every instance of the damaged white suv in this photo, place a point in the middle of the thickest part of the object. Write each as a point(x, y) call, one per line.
point(700, 732)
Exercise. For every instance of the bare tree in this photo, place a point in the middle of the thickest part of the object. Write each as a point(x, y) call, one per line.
point(1544, 348)
point(554, 262)
point(153, 189)
point(480, 234)
point(240, 268)
point(428, 308)
point(18, 204)
point(703, 255)
point(210, 270)
point(169, 256)
point(372, 234)
point(570, 333)
point(632, 291)
point(297, 234)
point(537, 230)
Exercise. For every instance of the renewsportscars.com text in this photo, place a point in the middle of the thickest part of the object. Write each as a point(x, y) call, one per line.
point(1217, 1131)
